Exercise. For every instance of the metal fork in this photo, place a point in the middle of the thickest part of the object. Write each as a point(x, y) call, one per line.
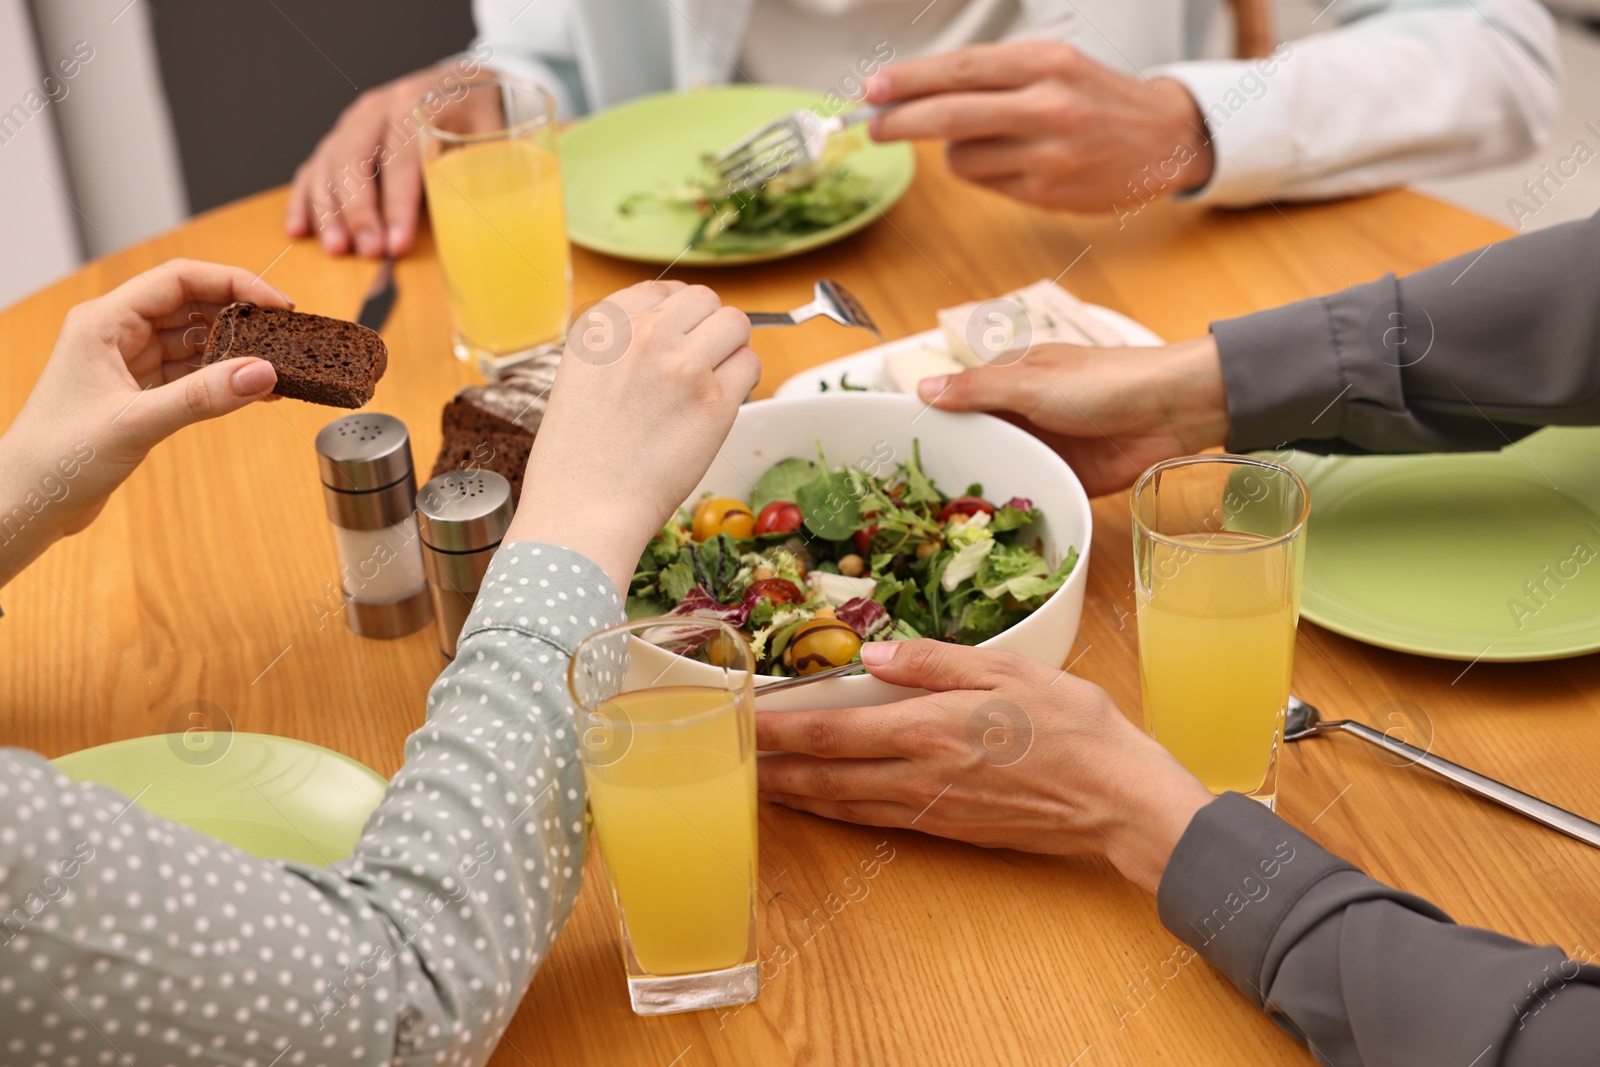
point(1305, 721)
point(829, 300)
point(797, 139)
point(806, 679)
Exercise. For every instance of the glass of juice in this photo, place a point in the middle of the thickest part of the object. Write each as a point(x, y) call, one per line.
point(1218, 550)
point(668, 749)
point(493, 179)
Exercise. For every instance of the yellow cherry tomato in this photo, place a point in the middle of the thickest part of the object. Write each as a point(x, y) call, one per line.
point(822, 644)
point(723, 515)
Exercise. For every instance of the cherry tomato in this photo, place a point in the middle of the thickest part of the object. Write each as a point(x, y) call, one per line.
point(727, 651)
point(780, 516)
point(776, 590)
point(723, 515)
point(822, 644)
point(863, 536)
point(965, 505)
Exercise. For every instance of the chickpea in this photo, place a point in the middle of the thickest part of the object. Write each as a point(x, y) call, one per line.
point(821, 645)
point(852, 566)
point(762, 573)
point(928, 548)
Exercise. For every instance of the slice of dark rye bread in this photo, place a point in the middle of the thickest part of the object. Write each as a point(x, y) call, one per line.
point(470, 450)
point(491, 427)
point(322, 360)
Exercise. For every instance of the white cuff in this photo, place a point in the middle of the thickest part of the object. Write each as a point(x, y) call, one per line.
point(1248, 118)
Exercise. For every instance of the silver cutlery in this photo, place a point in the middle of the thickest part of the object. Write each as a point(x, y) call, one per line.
point(797, 139)
point(807, 679)
point(1305, 721)
point(380, 298)
point(830, 300)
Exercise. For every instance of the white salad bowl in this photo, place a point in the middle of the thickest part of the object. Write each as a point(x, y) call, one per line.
point(876, 431)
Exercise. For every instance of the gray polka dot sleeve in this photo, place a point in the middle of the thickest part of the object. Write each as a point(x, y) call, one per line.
point(128, 940)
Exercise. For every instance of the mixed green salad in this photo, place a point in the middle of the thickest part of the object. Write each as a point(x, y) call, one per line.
point(821, 559)
point(790, 204)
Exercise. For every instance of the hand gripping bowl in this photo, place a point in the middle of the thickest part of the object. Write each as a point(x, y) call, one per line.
point(957, 450)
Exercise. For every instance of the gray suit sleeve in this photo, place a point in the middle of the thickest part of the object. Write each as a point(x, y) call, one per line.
point(1359, 972)
point(1468, 355)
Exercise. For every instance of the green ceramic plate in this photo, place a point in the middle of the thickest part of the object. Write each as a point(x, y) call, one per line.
point(1492, 556)
point(274, 797)
point(658, 141)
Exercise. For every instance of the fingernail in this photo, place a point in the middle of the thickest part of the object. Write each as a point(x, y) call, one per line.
point(877, 87)
point(369, 242)
point(397, 237)
point(930, 388)
point(877, 653)
point(332, 242)
point(254, 378)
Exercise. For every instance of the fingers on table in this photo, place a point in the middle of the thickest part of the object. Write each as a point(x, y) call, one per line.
point(861, 812)
point(401, 195)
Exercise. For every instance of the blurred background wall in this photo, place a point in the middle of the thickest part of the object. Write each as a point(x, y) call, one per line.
point(118, 118)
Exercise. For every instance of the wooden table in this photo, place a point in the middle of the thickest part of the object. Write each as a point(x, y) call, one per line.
point(208, 578)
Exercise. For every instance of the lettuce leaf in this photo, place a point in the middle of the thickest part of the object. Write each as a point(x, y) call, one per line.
point(1032, 591)
point(782, 481)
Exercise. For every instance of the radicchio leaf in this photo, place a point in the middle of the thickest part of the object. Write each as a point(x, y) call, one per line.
point(865, 616)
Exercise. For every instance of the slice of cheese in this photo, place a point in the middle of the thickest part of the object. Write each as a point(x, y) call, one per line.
point(904, 368)
point(1042, 313)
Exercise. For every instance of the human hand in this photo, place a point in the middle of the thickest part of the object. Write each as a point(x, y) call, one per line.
point(122, 377)
point(1109, 412)
point(1004, 753)
point(1042, 122)
point(361, 189)
point(647, 391)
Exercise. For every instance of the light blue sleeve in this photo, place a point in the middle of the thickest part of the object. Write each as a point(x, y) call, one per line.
point(127, 938)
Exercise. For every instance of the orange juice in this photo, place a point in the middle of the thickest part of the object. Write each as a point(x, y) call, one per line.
point(501, 229)
point(676, 820)
point(1216, 645)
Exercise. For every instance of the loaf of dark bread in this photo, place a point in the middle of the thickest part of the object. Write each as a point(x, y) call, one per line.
point(504, 453)
point(322, 360)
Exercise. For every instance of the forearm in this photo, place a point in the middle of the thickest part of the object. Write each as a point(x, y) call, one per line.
point(1470, 354)
point(1364, 974)
point(415, 949)
point(1317, 118)
point(29, 491)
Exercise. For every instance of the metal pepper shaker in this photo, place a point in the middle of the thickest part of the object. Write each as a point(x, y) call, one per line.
point(369, 488)
point(463, 516)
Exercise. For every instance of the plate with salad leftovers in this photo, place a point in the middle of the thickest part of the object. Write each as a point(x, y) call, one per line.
point(638, 185)
point(821, 557)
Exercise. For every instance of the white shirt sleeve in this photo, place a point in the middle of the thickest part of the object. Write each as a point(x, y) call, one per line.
point(1418, 89)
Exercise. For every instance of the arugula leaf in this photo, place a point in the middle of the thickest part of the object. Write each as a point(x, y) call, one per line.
point(919, 487)
point(782, 481)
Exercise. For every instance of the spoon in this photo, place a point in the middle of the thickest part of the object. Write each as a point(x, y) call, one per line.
point(1305, 721)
